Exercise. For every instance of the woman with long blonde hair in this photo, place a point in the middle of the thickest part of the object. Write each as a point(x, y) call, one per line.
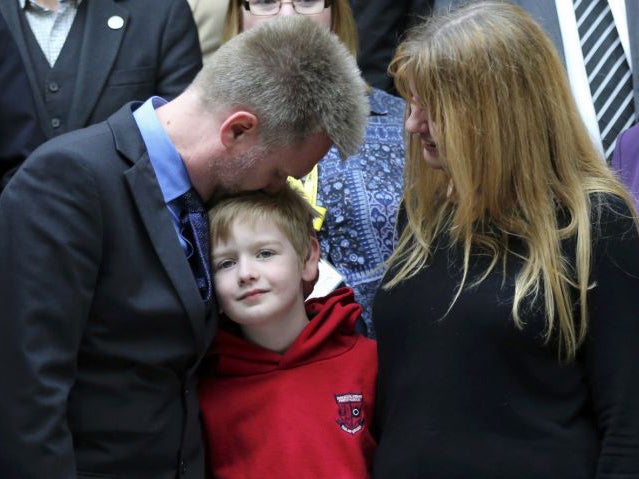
point(358, 197)
point(508, 324)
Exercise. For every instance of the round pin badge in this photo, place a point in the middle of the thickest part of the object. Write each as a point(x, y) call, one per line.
point(115, 22)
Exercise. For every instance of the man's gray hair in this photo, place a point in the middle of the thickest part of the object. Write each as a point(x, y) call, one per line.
point(296, 77)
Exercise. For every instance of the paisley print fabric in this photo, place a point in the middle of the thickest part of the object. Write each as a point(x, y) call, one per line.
point(362, 195)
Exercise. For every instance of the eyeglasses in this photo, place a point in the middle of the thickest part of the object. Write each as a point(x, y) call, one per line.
point(265, 8)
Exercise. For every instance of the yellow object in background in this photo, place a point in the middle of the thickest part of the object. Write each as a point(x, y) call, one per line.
point(308, 187)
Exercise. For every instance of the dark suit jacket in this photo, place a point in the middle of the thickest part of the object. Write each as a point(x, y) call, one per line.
point(156, 52)
point(102, 325)
point(380, 25)
point(545, 13)
point(20, 132)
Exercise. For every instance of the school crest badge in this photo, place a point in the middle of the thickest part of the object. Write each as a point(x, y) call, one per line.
point(350, 411)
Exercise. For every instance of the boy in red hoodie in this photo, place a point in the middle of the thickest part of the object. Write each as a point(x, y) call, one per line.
point(291, 393)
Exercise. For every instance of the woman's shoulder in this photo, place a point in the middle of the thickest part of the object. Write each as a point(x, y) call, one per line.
point(615, 236)
point(611, 215)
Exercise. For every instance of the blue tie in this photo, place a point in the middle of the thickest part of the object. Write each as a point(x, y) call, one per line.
point(194, 228)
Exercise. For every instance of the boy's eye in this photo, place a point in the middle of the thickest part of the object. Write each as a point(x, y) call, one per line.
point(224, 264)
point(264, 254)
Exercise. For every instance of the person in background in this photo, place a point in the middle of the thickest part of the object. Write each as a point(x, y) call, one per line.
point(209, 17)
point(625, 161)
point(105, 285)
point(507, 326)
point(299, 368)
point(380, 26)
point(598, 44)
point(20, 132)
point(85, 58)
point(358, 198)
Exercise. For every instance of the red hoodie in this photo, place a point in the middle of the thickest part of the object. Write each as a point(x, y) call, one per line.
point(302, 414)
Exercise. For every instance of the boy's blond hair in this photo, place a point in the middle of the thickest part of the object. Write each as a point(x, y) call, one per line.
point(290, 212)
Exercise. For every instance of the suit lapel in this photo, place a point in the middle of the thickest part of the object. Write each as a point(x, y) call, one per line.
point(10, 10)
point(150, 204)
point(100, 45)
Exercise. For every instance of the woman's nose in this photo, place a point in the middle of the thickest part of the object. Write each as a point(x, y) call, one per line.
point(287, 9)
point(414, 123)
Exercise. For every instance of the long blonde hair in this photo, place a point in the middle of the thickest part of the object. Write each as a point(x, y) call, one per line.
point(516, 151)
point(342, 23)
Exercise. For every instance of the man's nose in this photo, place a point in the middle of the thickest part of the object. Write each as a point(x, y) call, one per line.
point(274, 186)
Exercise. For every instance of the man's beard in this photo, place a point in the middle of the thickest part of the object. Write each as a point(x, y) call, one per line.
point(234, 172)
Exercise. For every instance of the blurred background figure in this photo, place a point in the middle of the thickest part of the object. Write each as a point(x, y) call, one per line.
point(380, 26)
point(360, 195)
point(209, 17)
point(84, 59)
point(625, 161)
point(599, 48)
point(507, 324)
point(20, 131)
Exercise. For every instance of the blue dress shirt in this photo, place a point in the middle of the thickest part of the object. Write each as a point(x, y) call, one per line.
point(165, 159)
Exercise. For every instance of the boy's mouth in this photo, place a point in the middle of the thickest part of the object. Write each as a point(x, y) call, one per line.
point(252, 293)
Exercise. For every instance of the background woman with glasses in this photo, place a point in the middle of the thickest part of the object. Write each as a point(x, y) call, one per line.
point(360, 194)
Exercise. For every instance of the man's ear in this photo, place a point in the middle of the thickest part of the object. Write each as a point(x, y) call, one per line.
point(237, 128)
point(310, 268)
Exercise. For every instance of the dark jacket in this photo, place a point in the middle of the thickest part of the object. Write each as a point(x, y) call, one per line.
point(102, 325)
point(155, 52)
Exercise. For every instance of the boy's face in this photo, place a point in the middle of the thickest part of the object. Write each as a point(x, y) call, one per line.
point(258, 275)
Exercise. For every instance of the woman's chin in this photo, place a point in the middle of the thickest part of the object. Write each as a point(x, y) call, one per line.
point(431, 157)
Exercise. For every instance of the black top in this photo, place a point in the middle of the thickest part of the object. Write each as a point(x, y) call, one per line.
point(381, 25)
point(468, 395)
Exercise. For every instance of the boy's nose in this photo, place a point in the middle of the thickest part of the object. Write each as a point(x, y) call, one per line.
point(246, 272)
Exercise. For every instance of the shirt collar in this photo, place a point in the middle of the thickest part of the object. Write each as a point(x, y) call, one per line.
point(23, 3)
point(165, 159)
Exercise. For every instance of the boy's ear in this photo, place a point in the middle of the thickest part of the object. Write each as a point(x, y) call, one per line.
point(310, 269)
point(238, 128)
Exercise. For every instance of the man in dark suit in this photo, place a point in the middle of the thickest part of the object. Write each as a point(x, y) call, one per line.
point(20, 131)
point(111, 52)
point(104, 319)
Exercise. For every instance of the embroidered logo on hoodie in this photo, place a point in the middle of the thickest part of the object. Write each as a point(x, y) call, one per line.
point(350, 411)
